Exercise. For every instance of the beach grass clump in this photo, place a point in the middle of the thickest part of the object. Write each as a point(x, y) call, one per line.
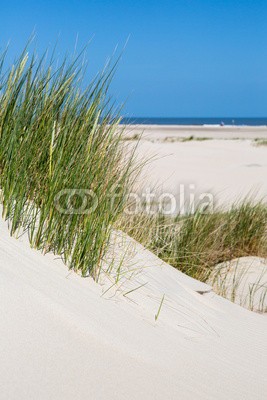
point(130, 138)
point(64, 177)
point(195, 243)
point(173, 139)
point(195, 138)
point(260, 142)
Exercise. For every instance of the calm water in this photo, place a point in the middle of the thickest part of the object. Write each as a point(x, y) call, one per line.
point(196, 121)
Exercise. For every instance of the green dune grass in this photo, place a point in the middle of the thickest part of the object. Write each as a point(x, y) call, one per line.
point(59, 153)
point(260, 142)
point(65, 176)
point(195, 243)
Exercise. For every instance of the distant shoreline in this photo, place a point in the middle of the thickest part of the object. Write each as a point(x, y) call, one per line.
point(196, 122)
point(195, 125)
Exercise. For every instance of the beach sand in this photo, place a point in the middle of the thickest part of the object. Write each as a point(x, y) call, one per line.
point(156, 334)
point(229, 165)
point(206, 131)
point(66, 337)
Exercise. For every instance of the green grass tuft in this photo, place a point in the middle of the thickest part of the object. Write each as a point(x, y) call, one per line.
point(260, 142)
point(196, 243)
point(59, 134)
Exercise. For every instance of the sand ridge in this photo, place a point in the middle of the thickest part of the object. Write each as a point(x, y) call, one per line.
point(62, 338)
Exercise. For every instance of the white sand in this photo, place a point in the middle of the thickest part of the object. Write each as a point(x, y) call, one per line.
point(60, 339)
point(66, 337)
point(244, 281)
point(229, 169)
point(207, 131)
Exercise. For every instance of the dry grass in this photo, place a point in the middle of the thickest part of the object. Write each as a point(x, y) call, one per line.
point(260, 142)
point(196, 243)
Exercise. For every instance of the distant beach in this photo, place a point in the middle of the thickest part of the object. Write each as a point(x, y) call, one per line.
point(160, 131)
point(195, 121)
point(230, 161)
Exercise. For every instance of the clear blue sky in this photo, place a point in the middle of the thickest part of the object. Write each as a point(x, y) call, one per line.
point(184, 58)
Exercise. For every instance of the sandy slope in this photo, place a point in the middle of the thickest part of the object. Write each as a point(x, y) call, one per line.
point(64, 337)
point(242, 280)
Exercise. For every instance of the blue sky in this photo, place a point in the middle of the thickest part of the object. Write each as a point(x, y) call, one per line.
point(184, 58)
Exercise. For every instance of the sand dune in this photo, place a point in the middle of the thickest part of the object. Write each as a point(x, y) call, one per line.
point(65, 337)
point(244, 281)
point(146, 331)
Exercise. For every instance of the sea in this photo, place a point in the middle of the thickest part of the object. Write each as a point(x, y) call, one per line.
point(195, 121)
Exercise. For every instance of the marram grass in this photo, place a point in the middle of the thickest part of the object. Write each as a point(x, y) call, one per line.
point(58, 135)
point(195, 243)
